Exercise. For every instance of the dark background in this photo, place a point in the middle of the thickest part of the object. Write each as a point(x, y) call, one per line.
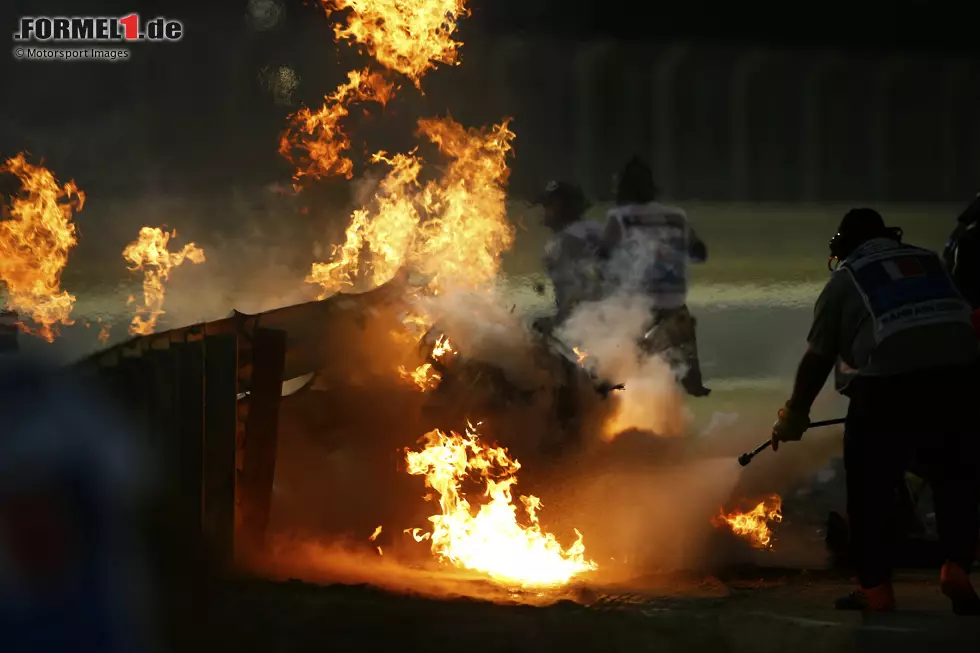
point(192, 117)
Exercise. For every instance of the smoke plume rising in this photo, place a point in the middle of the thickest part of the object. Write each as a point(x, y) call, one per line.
point(607, 333)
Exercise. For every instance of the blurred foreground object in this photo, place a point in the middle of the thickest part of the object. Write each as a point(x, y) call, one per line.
point(72, 572)
point(962, 253)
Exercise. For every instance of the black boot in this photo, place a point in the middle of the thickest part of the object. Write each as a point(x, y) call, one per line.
point(693, 382)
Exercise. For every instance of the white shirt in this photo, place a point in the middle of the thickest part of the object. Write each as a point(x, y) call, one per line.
point(653, 256)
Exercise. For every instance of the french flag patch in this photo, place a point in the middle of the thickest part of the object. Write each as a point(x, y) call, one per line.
point(904, 268)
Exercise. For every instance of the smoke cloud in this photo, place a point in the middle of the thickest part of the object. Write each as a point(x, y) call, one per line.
point(608, 333)
point(487, 330)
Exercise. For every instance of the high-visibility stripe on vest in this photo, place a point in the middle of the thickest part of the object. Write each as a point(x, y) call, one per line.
point(905, 287)
point(654, 251)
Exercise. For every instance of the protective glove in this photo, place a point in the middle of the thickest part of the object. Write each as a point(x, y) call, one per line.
point(789, 427)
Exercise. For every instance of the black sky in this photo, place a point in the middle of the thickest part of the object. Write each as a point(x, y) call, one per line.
point(900, 25)
point(184, 108)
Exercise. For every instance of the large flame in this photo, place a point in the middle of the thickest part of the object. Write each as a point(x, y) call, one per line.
point(407, 36)
point(36, 235)
point(489, 539)
point(754, 524)
point(467, 231)
point(383, 232)
point(453, 230)
point(318, 136)
point(149, 253)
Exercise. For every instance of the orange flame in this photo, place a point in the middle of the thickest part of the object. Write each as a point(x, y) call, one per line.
point(754, 524)
point(36, 235)
point(149, 253)
point(374, 536)
point(384, 232)
point(407, 36)
point(467, 231)
point(489, 540)
point(453, 231)
point(442, 347)
point(318, 135)
point(424, 376)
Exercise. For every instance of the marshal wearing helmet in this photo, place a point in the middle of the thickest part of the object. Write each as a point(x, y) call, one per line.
point(647, 246)
point(898, 332)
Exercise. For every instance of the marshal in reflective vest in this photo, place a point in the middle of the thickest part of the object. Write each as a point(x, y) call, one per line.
point(905, 287)
point(654, 253)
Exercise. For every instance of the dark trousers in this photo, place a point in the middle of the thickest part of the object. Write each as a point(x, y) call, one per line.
point(927, 423)
point(674, 329)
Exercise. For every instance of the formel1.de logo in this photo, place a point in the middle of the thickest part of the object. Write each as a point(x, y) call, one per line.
point(97, 29)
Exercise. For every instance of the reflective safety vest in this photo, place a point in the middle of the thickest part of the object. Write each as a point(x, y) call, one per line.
point(904, 287)
point(654, 252)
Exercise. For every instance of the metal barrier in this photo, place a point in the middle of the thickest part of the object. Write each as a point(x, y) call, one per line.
point(206, 399)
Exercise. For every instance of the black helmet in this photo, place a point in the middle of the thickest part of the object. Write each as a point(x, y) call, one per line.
point(634, 183)
point(856, 228)
point(560, 194)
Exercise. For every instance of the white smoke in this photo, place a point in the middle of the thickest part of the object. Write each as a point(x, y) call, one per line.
point(608, 334)
point(482, 325)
